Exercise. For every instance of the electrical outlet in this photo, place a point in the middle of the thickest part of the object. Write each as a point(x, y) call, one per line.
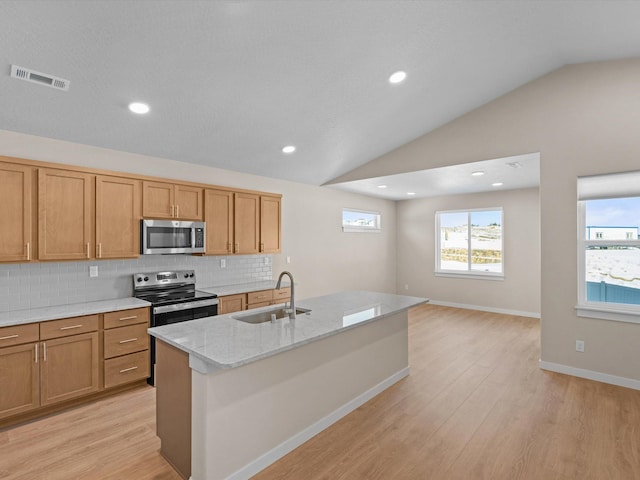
point(406, 286)
point(579, 345)
point(288, 259)
point(93, 271)
point(223, 263)
point(266, 260)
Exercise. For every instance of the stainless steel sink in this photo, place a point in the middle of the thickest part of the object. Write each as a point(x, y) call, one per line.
point(266, 316)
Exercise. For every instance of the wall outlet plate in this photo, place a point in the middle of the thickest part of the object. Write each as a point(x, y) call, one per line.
point(93, 271)
point(223, 263)
point(580, 346)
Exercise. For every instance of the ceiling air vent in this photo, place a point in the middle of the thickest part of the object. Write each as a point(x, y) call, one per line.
point(40, 78)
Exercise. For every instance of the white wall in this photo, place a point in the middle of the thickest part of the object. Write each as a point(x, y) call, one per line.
point(583, 119)
point(519, 292)
point(323, 259)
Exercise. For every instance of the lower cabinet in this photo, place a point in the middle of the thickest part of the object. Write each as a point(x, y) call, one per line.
point(257, 299)
point(47, 363)
point(69, 368)
point(19, 378)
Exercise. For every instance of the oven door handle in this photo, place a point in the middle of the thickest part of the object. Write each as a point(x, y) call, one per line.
point(185, 306)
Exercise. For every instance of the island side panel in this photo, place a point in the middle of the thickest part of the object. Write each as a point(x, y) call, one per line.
point(173, 406)
point(245, 418)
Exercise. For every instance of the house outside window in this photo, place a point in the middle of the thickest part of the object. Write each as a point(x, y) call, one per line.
point(470, 243)
point(608, 247)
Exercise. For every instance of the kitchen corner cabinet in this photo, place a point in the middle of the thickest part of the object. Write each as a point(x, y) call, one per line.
point(16, 241)
point(172, 201)
point(64, 214)
point(118, 213)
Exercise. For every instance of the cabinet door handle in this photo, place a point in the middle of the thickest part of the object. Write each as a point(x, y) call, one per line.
point(44, 351)
point(229, 247)
point(128, 340)
point(100, 250)
point(237, 247)
point(36, 355)
point(128, 369)
point(71, 327)
point(128, 318)
point(177, 211)
point(9, 336)
point(88, 254)
point(28, 250)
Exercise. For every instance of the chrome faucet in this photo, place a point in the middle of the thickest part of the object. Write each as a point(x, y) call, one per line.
point(292, 311)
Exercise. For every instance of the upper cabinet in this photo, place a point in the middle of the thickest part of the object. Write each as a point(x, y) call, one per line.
point(16, 243)
point(64, 214)
point(218, 215)
point(118, 213)
point(246, 223)
point(172, 201)
point(270, 224)
point(242, 222)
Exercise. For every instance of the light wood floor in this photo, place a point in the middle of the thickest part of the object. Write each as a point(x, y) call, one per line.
point(476, 406)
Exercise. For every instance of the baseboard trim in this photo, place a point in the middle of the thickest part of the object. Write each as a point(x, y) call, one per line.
point(591, 375)
point(505, 311)
point(288, 445)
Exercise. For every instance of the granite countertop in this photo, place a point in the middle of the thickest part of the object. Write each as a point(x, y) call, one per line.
point(243, 287)
point(224, 342)
point(19, 317)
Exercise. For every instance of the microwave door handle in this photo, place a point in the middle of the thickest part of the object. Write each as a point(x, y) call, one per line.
point(193, 237)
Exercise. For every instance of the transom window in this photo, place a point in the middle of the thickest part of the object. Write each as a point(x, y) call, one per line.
point(360, 220)
point(469, 242)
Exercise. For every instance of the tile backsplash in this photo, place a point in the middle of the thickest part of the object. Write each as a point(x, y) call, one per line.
point(33, 285)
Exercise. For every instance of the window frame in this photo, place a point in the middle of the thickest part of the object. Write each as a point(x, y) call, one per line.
point(623, 312)
point(439, 272)
point(361, 228)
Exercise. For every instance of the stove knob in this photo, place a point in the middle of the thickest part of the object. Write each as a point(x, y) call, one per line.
point(186, 275)
point(192, 275)
point(139, 279)
point(146, 279)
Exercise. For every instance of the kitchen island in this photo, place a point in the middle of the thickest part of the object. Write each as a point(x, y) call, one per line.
point(233, 397)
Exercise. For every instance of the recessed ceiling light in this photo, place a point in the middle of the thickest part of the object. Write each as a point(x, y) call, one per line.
point(514, 164)
point(138, 107)
point(411, 193)
point(397, 77)
point(382, 186)
point(497, 184)
point(289, 149)
point(477, 174)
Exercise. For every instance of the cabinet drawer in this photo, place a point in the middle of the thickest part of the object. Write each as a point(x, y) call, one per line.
point(17, 334)
point(121, 341)
point(260, 297)
point(282, 294)
point(68, 326)
point(125, 369)
point(258, 305)
point(126, 317)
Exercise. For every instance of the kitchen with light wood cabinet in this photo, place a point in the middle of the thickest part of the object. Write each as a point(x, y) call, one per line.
point(64, 214)
point(172, 201)
point(16, 243)
point(118, 213)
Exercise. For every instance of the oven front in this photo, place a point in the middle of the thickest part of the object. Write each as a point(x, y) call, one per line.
point(175, 313)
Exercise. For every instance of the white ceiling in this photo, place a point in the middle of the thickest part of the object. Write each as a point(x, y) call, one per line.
point(521, 171)
point(231, 83)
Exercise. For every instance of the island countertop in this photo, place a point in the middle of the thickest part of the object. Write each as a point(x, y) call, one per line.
point(224, 342)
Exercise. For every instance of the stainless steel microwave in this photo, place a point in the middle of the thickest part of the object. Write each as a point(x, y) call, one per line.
point(171, 237)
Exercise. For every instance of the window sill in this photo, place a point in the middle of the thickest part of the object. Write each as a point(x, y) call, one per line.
point(471, 276)
point(608, 313)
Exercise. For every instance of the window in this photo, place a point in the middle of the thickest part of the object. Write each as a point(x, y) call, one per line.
point(360, 221)
point(469, 243)
point(608, 247)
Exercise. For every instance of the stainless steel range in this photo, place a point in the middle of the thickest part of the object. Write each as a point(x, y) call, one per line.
point(174, 298)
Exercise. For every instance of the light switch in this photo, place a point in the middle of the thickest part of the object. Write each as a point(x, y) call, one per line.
point(288, 259)
point(223, 263)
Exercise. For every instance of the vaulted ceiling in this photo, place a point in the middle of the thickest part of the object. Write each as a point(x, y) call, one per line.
point(231, 83)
